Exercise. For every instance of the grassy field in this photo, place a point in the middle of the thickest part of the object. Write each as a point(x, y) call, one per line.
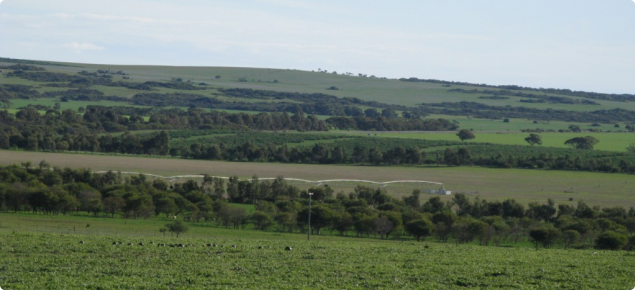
point(514, 124)
point(492, 184)
point(608, 141)
point(39, 259)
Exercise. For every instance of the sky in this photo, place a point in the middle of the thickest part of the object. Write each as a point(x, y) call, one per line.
point(575, 44)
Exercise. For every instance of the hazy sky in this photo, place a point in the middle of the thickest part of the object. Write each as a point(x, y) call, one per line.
point(576, 44)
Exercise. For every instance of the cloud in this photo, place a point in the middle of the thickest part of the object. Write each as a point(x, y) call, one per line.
point(81, 47)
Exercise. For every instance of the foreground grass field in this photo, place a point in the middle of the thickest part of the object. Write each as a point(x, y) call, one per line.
point(491, 184)
point(35, 259)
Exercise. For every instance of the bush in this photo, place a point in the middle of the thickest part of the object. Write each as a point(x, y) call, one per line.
point(611, 241)
point(631, 244)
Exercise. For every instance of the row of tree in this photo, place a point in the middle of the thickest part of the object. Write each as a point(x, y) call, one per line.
point(514, 89)
point(375, 151)
point(532, 98)
point(479, 110)
point(365, 211)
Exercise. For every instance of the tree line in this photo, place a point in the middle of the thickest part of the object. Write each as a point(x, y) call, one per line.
point(566, 92)
point(56, 130)
point(85, 79)
point(533, 98)
point(484, 111)
point(364, 212)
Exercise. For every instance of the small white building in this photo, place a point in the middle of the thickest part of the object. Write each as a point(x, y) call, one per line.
point(440, 191)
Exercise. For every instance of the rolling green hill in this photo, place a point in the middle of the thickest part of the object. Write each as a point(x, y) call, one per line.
point(403, 95)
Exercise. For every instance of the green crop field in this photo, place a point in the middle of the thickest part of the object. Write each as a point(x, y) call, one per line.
point(61, 252)
point(492, 184)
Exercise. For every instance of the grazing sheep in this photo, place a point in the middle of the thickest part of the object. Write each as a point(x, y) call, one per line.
point(209, 245)
point(140, 244)
point(129, 244)
point(260, 247)
point(114, 243)
point(288, 248)
point(81, 242)
point(181, 246)
point(233, 246)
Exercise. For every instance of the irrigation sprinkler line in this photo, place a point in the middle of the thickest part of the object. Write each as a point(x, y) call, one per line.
point(316, 182)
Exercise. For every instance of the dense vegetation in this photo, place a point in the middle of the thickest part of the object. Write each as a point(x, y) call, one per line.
point(70, 131)
point(479, 110)
point(364, 212)
point(496, 94)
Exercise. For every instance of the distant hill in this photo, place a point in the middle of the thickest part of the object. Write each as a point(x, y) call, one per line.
point(322, 93)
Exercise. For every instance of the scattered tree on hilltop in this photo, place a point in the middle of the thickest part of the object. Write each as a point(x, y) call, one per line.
point(575, 128)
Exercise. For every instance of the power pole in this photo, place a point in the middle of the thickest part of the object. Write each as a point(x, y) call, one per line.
point(308, 234)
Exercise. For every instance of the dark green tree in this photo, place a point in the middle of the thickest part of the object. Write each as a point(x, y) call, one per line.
point(582, 142)
point(465, 134)
point(420, 228)
point(545, 235)
point(575, 128)
point(611, 240)
point(177, 227)
point(570, 237)
point(534, 139)
point(261, 220)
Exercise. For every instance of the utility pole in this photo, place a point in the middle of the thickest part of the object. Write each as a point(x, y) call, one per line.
point(308, 234)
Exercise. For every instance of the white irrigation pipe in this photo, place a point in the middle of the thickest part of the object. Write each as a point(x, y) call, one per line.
point(318, 182)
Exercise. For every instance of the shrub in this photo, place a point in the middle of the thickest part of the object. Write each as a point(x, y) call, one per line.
point(611, 241)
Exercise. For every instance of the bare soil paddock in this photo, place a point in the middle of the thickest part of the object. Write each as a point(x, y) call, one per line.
point(491, 184)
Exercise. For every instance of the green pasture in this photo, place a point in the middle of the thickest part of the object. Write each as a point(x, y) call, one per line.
point(61, 252)
point(608, 141)
point(516, 124)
